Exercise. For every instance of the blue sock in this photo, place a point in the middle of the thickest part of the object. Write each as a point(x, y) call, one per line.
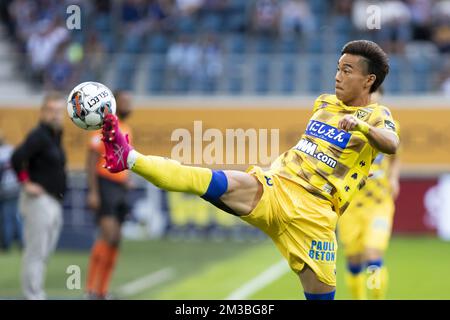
point(217, 187)
point(320, 296)
point(354, 268)
point(373, 264)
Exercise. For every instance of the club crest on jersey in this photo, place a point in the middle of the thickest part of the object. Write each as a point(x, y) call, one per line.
point(328, 133)
point(362, 114)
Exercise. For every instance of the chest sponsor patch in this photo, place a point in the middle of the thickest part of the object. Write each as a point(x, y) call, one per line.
point(328, 133)
point(310, 148)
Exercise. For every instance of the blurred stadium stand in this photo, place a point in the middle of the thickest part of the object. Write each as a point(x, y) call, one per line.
point(160, 47)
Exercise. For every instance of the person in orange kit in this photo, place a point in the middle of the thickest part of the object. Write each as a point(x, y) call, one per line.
point(107, 197)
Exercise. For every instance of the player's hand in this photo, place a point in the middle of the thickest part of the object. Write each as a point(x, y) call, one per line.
point(93, 200)
point(348, 123)
point(33, 189)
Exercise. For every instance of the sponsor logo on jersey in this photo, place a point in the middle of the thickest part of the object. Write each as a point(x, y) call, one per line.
point(328, 133)
point(322, 251)
point(389, 125)
point(310, 148)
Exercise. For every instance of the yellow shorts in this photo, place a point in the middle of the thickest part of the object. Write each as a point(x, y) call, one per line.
point(301, 225)
point(366, 226)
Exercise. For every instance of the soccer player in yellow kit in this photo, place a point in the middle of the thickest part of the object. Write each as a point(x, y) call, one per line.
point(365, 229)
point(297, 202)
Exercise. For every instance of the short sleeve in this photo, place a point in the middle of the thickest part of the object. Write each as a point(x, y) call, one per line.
point(382, 118)
point(320, 102)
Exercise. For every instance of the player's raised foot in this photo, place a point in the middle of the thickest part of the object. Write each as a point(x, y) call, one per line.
point(116, 144)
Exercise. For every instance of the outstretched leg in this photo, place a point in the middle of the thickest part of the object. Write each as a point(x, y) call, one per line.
point(233, 191)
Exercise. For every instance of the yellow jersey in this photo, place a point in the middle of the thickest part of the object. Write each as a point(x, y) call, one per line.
point(332, 163)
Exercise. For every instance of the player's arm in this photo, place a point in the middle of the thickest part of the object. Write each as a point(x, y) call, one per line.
point(394, 175)
point(383, 140)
point(93, 197)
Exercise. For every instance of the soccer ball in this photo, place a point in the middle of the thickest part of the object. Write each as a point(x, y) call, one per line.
point(88, 104)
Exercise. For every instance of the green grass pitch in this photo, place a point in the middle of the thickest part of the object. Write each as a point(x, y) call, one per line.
point(204, 269)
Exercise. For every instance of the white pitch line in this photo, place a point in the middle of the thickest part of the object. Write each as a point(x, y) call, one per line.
point(262, 280)
point(146, 282)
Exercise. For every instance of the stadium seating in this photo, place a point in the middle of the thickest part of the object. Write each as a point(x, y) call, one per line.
point(233, 26)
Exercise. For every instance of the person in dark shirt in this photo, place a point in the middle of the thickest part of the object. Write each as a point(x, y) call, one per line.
point(39, 163)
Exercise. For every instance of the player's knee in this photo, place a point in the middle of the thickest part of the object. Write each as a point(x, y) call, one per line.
point(113, 240)
point(374, 264)
point(355, 264)
point(355, 268)
point(373, 255)
point(111, 237)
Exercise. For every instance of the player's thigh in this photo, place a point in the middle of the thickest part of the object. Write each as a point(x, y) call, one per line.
point(311, 283)
point(243, 193)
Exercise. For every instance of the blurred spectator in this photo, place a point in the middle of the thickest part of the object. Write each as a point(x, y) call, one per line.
point(421, 18)
point(94, 58)
point(441, 12)
point(184, 58)
point(441, 22)
point(211, 63)
point(216, 5)
point(23, 15)
point(441, 37)
point(296, 17)
point(395, 29)
point(445, 88)
point(10, 222)
point(444, 77)
point(60, 74)
point(133, 14)
point(39, 162)
point(188, 7)
point(265, 16)
point(102, 7)
point(160, 13)
point(43, 44)
point(6, 17)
